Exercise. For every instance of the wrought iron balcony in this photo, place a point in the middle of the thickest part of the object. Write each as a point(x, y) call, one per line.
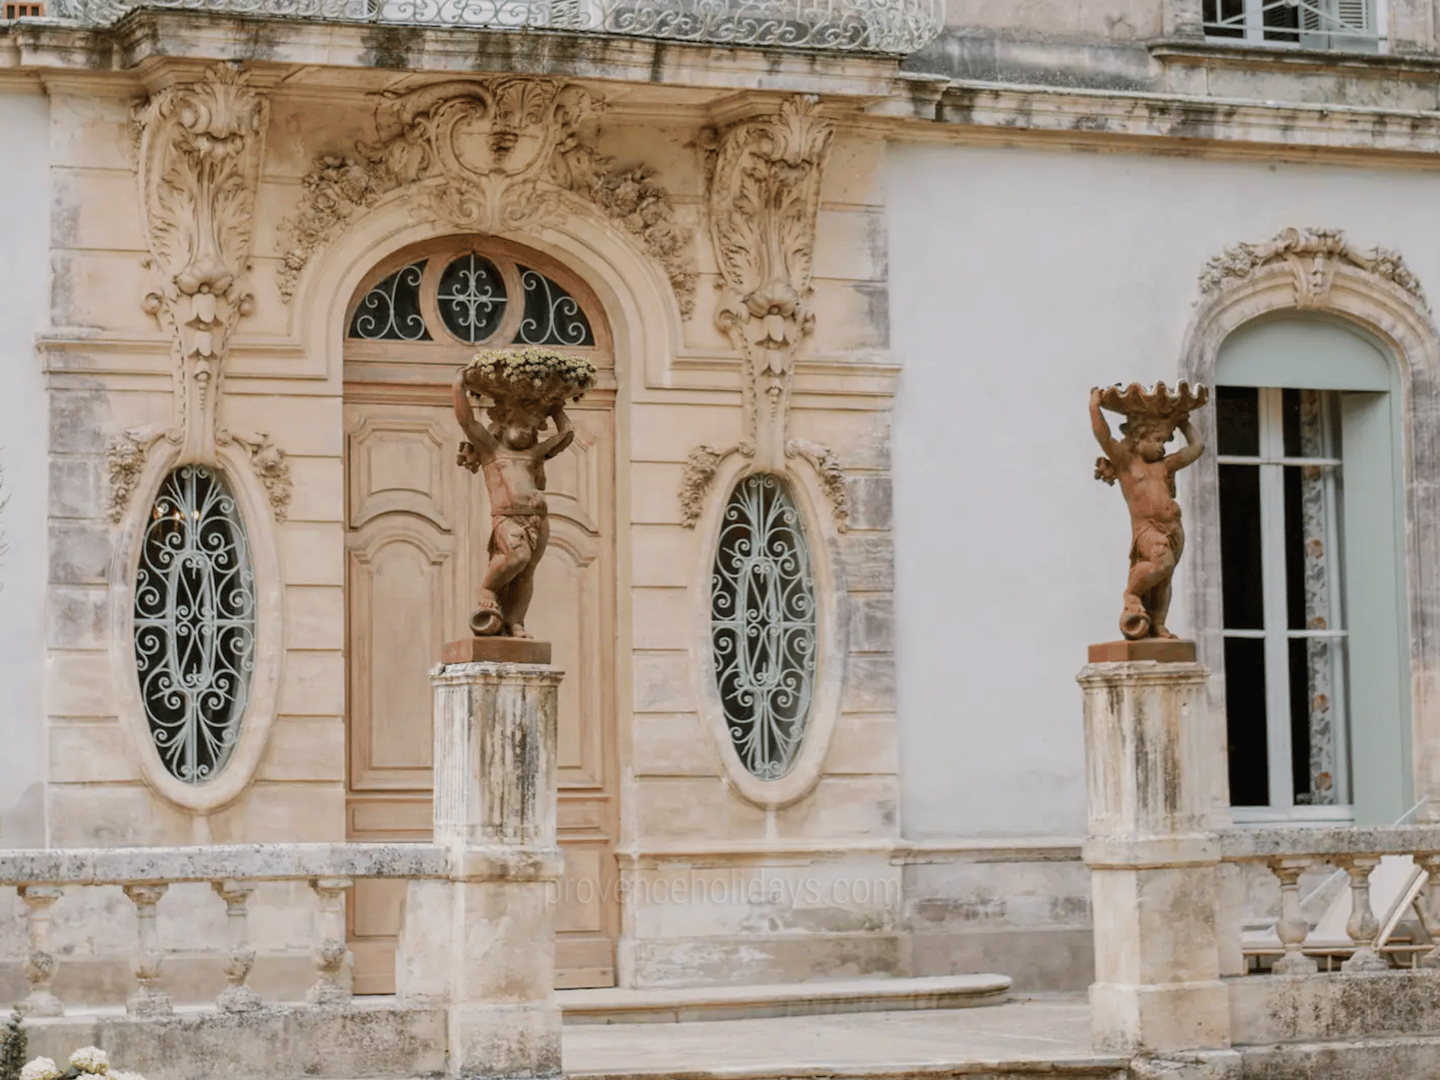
point(893, 27)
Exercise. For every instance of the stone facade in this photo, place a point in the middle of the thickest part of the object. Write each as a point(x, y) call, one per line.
point(958, 245)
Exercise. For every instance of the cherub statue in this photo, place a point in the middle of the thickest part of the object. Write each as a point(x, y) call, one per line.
point(513, 458)
point(1147, 480)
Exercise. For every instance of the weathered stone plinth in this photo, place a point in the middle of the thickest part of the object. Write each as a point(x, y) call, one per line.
point(1153, 866)
point(482, 944)
point(495, 649)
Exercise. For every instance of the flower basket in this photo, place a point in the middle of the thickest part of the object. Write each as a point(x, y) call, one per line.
point(538, 379)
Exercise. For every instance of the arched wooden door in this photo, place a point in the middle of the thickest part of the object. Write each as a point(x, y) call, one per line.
point(417, 526)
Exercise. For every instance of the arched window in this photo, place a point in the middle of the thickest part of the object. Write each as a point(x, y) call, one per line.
point(1311, 529)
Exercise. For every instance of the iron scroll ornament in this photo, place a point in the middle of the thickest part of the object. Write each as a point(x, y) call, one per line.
point(763, 625)
point(194, 624)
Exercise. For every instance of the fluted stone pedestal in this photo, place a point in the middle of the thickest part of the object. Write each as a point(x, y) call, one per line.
point(1153, 866)
point(482, 944)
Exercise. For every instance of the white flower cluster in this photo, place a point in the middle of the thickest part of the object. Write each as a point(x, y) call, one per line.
point(87, 1061)
point(530, 373)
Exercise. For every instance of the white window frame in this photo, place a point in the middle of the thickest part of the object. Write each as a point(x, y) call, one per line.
point(1277, 635)
point(1254, 27)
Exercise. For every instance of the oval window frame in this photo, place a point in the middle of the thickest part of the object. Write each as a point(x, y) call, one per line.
point(831, 637)
point(256, 722)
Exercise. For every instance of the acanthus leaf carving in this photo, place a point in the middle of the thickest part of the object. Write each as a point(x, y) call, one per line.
point(832, 476)
point(489, 155)
point(1313, 255)
point(695, 480)
point(270, 467)
point(125, 460)
point(764, 201)
point(200, 148)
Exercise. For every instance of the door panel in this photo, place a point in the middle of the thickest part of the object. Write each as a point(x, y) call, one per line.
point(416, 545)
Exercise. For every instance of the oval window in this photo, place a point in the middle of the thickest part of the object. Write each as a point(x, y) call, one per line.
point(762, 625)
point(194, 623)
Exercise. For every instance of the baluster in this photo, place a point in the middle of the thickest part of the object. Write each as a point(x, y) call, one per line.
point(1430, 906)
point(1362, 926)
point(237, 997)
point(148, 999)
point(331, 955)
point(40, 961)
point(1292, 927)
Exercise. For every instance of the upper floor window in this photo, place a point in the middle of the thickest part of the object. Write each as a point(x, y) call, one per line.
point(1305, 24)
point(1311, 535)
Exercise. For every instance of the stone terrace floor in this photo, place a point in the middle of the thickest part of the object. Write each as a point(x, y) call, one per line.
point(1027, 1035)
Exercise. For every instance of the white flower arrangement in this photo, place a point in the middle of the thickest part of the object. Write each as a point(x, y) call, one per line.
point(87, 1061)
point(530, 374)
point(42, 1068)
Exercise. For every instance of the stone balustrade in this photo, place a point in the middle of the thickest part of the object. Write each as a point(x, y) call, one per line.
point(896, 28)
point(41, 878)
point(1289, 853)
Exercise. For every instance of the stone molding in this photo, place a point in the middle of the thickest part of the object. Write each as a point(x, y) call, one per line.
point(200, 148)
point(489, 155)
point(765, 175)
point(1312, 255)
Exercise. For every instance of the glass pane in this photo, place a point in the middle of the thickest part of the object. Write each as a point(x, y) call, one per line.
point(762, 619)
point(552, 315)
point(1245, 722)
point(472, 298)
point(1224, 18)
point(391, 310)
point(1237, 418)
point(194, 623)
point(1240, 574)
point(1281, 16)
point(1317, 710)
point(1290, 414)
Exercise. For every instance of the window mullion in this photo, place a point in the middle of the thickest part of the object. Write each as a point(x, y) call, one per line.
point(1255, 25)
point(1273, 584)
point(1340, 648)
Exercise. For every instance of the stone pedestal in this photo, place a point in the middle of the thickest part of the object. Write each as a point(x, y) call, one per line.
point(1153, 866)
point(482, 944)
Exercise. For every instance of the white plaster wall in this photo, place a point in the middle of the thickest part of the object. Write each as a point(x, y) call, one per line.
point(24, 295)
point(1019, 279)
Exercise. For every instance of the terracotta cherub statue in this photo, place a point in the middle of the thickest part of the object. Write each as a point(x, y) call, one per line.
point(527, 387)
point(1147, 480)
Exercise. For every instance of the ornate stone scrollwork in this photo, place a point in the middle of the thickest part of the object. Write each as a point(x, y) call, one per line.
point(269, 464)
point(124, 461)
point(765, 176)
point(1313, 255)
point(489, 155)
point(200, 149)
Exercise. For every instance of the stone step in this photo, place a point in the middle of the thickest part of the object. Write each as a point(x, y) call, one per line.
point(1020, 1038)
point(670, 1006)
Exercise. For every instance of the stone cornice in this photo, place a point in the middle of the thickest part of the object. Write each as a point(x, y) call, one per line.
point(147, 37)
point(992, 112)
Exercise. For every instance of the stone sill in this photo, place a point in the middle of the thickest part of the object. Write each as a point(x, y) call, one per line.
point(1292, 60)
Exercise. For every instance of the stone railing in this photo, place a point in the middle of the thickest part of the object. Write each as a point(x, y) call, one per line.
point(474, 971)
point(893, 27)
point(1168, 882)
point(1389, 871)
point(144, 874)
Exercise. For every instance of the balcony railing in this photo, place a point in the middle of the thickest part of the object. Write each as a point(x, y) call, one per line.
point(891, 27)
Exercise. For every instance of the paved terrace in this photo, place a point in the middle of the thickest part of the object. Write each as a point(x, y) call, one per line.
point(1041, 1035)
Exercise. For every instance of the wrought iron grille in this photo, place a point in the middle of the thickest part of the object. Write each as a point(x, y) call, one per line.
point(390, 311)
point(552, 315)
point(194, 623)
point(762, 625)
point(1313, 24)
point(894, 27)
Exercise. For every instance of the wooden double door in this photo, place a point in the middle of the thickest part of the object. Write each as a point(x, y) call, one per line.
point(417, 526)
